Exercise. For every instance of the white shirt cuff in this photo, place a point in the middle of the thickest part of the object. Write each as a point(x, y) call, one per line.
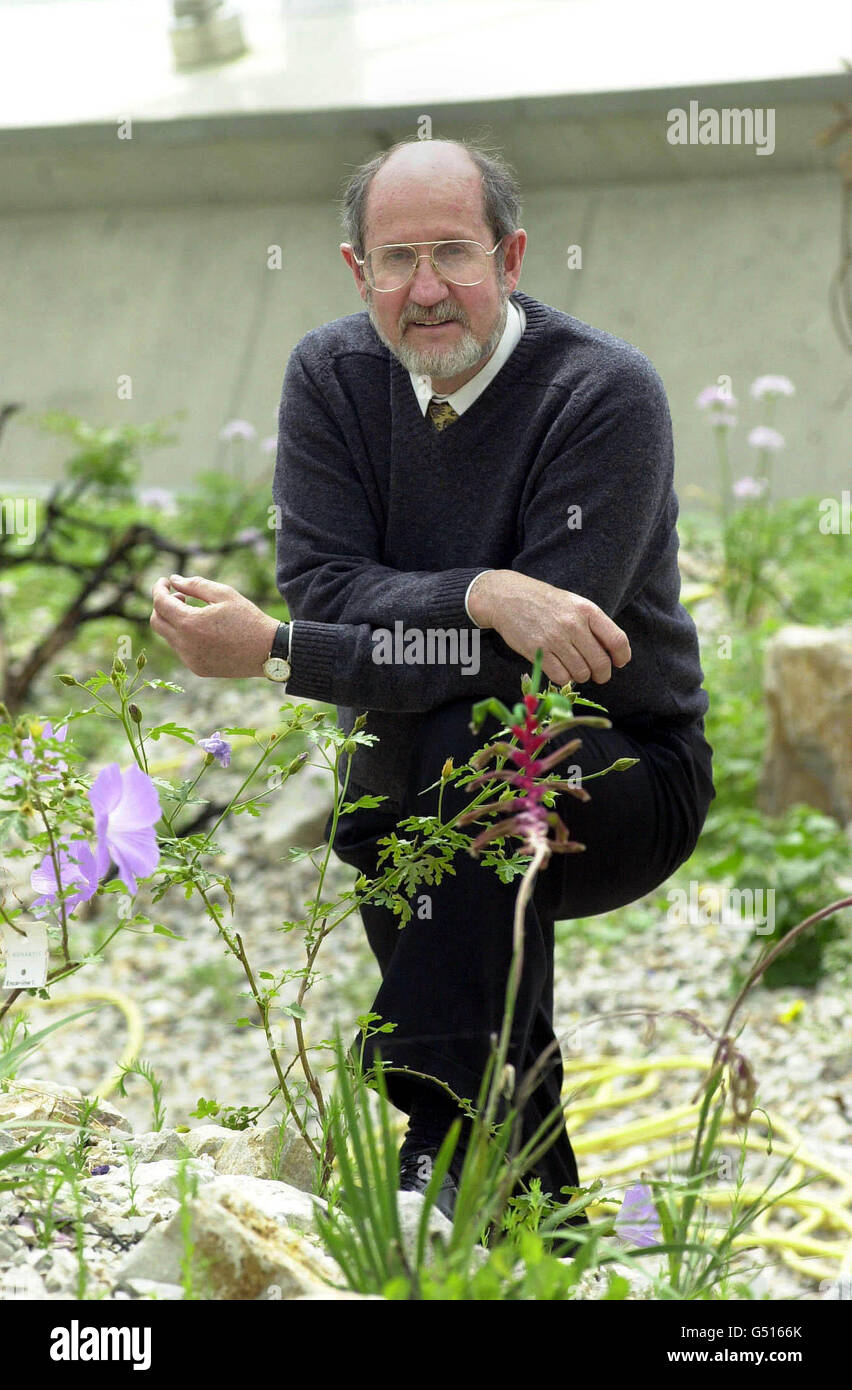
point(467, 595)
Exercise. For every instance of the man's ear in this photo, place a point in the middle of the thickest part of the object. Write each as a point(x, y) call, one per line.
point(348, 254)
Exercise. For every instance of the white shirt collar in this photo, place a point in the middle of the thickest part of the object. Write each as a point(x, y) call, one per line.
point(467, 394)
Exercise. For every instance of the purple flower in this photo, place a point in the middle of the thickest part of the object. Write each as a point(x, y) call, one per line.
point(713, 396)
point(216, 745)
point(772, 386)
point(237, 429)
point(126, 807)
point(76, 865)
point(749, 487)
point(763, 437)
point(253, 536)
point(160, 498)
point(637, 1221)
point(99, 1169)
point(28, 755)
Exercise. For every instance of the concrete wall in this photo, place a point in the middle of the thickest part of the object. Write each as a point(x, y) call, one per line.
point(148, 257)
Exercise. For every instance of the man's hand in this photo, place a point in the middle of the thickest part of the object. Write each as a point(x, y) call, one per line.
point(231, 636)
point(578, 641)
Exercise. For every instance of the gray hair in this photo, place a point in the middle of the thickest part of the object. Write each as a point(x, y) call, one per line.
point(501, 194)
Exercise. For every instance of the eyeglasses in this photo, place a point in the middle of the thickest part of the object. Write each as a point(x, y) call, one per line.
point(390, 267)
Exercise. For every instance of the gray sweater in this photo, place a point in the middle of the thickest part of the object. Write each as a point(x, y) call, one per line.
point(562, 469)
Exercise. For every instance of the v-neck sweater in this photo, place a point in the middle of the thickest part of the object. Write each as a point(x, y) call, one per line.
point(562, 469)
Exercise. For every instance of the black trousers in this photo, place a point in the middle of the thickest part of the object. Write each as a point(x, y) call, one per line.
point(444, 975)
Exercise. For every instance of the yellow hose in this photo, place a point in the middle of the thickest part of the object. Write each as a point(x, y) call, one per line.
point(132, 1015)
point(825, 1256)
point(817, 1258)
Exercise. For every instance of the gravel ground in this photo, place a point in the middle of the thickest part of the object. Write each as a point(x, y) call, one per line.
point(189, 993)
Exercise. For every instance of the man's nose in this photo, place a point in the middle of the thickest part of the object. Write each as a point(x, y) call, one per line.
point(427, 282)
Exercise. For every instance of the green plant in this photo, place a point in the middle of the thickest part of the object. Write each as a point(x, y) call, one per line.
point(790, 862)
point(145, 1070)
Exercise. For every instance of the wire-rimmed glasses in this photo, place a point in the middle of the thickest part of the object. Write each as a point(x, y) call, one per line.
point(390, 267)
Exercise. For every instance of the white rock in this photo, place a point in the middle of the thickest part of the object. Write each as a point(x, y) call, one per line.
point(235, 1256)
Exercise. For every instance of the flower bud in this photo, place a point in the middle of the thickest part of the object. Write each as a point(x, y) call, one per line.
point(119, 666)
point(36, 727)
point(359, 724)
point(622, 764)
point(350, 745)
point(140, 661)
point(66, 679)
point(135, 713)
point(447, 770)
point(4, 714)
point(297, 762)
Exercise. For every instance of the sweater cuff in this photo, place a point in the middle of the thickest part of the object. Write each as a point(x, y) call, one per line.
point(447, 604)
point(313, 648)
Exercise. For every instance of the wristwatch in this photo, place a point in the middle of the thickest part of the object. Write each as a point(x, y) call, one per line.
point(276, 667)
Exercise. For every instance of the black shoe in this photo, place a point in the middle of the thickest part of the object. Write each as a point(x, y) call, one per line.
point(415, 1173)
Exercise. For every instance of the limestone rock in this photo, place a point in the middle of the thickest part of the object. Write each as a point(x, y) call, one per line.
point(287, 1206)
point(152, 1288)
point(410, 1206)
point(808, 685)
point(160, 1179)
point(298, 813)
point(252, 1152)
point(155, 1144)
point(27, 1100)
point(235, 1257)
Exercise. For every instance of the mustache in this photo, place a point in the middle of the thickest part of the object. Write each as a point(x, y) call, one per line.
point(442, 318)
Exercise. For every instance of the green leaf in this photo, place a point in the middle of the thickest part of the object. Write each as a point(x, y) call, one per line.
point(174, 731)
point(14, 823)
point(10, 1060)
point(167, 931)
point(165, 685)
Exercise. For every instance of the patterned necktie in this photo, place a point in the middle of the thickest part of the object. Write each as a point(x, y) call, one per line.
point(441, 414)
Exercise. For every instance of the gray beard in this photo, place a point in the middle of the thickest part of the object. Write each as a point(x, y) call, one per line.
point(444, 363)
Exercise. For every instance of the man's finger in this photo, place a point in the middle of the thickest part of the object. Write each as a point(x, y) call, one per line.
point(611, 636)
point(169, 606)
point(163, 629)
point(199, 587)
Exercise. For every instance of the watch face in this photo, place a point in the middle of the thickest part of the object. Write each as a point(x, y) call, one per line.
point(276, 668)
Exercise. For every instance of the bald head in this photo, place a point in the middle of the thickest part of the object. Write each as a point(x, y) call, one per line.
point(432, 183)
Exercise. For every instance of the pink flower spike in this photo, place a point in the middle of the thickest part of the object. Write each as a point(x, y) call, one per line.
point(126, 807)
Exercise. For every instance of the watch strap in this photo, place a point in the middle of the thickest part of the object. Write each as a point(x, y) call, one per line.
point(281, 641)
